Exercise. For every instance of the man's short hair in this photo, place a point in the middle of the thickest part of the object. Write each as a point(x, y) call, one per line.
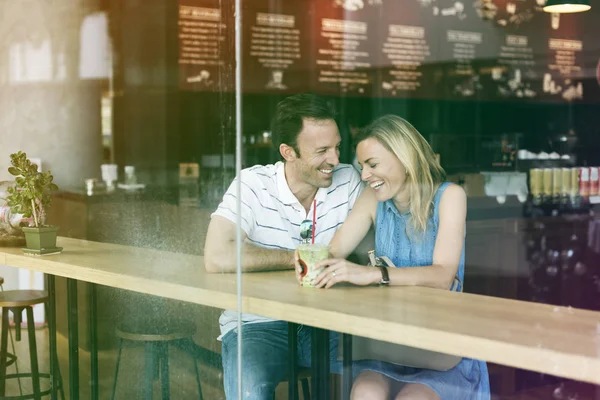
point(290, 114)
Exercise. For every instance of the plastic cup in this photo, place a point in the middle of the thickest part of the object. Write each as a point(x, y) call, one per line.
point(310, 254)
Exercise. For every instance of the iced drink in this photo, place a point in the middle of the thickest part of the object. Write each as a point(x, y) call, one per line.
point(310, 254)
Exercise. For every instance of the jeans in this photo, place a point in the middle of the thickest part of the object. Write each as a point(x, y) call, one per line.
point(265, 358)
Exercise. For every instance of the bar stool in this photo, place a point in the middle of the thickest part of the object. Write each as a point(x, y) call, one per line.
point(303, 376)
point(156, 336)
point(16, 301)
point(12, 358)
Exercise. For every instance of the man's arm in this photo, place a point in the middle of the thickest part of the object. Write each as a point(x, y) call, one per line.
point(220, 253)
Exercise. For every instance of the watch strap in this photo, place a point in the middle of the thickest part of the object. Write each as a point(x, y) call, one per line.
point(385, 277)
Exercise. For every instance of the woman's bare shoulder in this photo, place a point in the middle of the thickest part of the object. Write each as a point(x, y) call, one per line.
point(454, 197)
point(454, 192)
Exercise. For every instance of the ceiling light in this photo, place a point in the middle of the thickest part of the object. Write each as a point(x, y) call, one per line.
point(567, 6)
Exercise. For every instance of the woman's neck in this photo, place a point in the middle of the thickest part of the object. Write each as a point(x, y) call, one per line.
point(402, 199)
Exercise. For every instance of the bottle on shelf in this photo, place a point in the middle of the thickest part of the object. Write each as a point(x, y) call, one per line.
point(535, 185)
point(556, 186)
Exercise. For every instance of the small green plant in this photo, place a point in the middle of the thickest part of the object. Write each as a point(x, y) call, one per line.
point(31, 195)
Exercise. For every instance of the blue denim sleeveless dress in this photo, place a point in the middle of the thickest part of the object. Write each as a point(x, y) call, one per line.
point(469, 378)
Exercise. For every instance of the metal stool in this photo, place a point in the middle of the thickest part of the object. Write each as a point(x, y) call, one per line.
point(156, 336)
point(16, 301)
point(303, 377)
point(12, 358)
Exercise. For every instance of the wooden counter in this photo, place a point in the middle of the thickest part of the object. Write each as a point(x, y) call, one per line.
point(554, 340)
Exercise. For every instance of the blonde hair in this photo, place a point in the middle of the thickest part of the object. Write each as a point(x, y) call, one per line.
point(424, 173)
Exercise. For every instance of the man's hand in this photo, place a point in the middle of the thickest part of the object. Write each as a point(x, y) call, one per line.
point(299, 267)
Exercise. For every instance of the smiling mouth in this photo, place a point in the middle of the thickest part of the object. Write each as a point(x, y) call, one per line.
point(376, 185)
point(326, 171)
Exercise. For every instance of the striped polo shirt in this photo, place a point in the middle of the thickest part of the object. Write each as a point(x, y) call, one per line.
point(271, 214)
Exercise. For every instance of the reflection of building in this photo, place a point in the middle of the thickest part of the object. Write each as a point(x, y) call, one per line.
point(510, 13)
point(573, 92)
point(570, 91)
point(202, 79)
point(426, 3)
point(486, 9)
point(276, 81)
point(555, 21)
point(95, 48)
point(550, 85)
point(30, 62)
point(511, 83)
point(456, 10)
point(350, 5)
point(355, 5)
point(468, 87)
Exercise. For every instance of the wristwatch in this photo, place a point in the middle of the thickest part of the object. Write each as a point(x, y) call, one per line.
point(378, 262)
point(385, 277)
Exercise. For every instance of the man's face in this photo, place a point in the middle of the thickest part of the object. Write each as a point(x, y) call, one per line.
point(319, 146)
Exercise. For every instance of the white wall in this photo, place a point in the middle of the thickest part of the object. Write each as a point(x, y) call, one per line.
point(46, 110)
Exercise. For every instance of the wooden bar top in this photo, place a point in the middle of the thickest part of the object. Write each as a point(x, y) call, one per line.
point(559, 341)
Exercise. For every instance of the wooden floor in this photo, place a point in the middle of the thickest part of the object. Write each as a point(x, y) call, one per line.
point(130, 380)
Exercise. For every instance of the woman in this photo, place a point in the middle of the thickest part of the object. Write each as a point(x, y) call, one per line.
point(420, 226)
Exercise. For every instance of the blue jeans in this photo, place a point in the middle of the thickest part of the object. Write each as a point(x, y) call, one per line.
point(265, 358)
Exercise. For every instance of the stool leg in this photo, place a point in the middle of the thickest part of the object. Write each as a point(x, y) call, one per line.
point(149, 355)
point(56, 380)
point(93, 335)
point(35, 373)
point(156, 360)
point(73, 334)
point(12, 345)
point(17, 319)
point(114, 391)
point(60, 386)
point(198, 379)
point(164, 370)
point(3, 351)
point(305, 389)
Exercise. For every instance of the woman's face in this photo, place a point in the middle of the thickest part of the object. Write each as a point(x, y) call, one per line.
point(381, 169)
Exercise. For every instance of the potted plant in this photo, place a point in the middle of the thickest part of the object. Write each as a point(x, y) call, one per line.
point(31, 197)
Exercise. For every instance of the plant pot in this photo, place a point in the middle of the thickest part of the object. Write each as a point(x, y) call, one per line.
point(41, 240)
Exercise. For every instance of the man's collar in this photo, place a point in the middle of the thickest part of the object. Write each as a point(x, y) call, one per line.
point(285, 193)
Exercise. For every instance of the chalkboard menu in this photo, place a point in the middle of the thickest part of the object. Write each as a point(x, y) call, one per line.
point(274, 54)
point(482, 49)
point(205, 38)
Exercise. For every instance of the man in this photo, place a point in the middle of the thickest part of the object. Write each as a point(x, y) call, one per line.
point(276, 201)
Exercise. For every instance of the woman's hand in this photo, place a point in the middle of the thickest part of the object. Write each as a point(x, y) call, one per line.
point(339, 270)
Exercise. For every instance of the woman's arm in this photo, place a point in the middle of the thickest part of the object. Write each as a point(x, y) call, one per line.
point(356, 226)
point(448, 246)
point(446, 254)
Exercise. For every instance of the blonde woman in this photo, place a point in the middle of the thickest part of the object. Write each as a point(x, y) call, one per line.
point(420, 226)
